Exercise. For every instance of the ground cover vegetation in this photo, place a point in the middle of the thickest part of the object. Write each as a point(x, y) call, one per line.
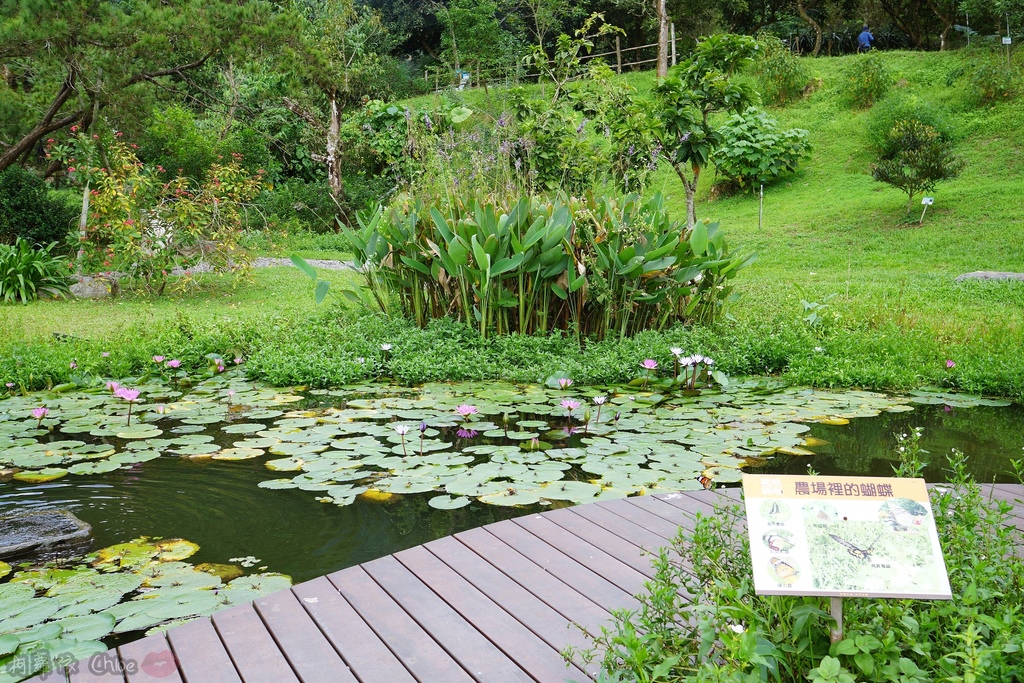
point(699, 619)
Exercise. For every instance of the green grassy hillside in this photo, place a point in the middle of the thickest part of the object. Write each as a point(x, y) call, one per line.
point(831, 234)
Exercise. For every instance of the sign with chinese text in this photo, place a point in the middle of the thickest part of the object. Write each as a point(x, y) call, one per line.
point(843, 536)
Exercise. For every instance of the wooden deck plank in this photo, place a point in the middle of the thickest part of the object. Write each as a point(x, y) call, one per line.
point(406, 639)
point(641, 519)
point(366, 654)
point(311, 656)
point(682, 518)
point(625, 550)
point(104, 668)
point(153, 659)
point(648, 539)
point(563, 598)
point(459, 638)
point(549, 625)
point(585, 580)
point(537, 658)
point(606, 565)
point(251, 647)
point(201, 654)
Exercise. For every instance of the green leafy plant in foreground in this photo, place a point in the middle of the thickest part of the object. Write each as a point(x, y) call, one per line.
point(701, 621)
point(27, 273)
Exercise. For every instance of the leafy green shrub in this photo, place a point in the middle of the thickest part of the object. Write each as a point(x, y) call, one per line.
point(921, 159)
point(992, 81)
point(700, 620)
point(27, 273)
point(897, 107)
point(308, 203)
point(755, 151)
point(781, 75)
point(598, 266)
point(866, 80)
point(28, 210)
point(144, 227)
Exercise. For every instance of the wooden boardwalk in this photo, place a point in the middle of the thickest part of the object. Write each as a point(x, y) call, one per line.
point(496, 603)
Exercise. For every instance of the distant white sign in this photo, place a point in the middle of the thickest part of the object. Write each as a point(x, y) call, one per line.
point(927, 201)
point(1007, 40)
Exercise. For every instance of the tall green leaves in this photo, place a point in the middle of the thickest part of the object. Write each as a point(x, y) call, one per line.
point(596, 266)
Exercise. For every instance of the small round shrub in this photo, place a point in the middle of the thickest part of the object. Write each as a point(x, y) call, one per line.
point(866, 80)
point(897, 107)
point(28, 210)
point(754, 150)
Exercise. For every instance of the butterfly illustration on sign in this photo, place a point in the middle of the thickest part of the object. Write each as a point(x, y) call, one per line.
point(859, 553)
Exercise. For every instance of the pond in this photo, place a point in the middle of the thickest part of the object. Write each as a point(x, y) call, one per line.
point(302, 483)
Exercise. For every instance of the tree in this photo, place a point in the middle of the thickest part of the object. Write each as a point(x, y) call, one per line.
point(547, 16)
point(700, 86)
point(946, 11)
point(802, 11)
point(663, 22)
point(338, 55)
point(921, 160)
point(68, 60)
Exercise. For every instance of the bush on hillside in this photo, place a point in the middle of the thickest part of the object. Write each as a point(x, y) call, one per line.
point(898, 107)
point(28, 210)
point(781, 76)
point(922, 160)
point(756, 151)
point(866, 80)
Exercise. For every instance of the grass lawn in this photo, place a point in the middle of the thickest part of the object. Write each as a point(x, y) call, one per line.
point(831, 235)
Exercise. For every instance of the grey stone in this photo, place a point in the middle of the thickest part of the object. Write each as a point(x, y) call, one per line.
point(990, 275)
point(94, 287)
point(42, 532)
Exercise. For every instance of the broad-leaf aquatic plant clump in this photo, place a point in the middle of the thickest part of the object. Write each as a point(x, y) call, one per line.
point(592, 267)
point(56, 613)
point(700, 619)
point(499, 444)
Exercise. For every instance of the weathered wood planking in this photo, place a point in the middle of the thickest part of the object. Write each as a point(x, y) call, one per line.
point(496, 603)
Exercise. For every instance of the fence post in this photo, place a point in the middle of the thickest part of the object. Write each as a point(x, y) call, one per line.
point(618, 55)
point(672, 30)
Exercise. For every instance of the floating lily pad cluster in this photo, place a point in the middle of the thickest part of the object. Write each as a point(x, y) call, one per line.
point(500, 444)
point(59, 613)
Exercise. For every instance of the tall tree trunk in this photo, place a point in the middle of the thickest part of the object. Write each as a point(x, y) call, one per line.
point(947, 22)
point(334, 180)
point(659, 7)
point(813, 24)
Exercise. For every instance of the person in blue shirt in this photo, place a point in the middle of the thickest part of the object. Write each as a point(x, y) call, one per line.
point(865, 40)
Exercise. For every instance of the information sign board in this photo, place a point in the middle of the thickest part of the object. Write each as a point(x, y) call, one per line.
point(1007, 40)
point(844, 537)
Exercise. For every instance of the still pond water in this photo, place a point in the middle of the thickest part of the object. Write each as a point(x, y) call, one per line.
point(220, 505)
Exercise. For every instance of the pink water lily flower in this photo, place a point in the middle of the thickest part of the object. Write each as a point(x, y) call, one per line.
point(112, 387)
point(570, 405)
point(466, 410)
point(158, 359)
point(130, 396)
point(173, 364)
point(564, 383)
point(649, 364)
point(39, 413)
point(950, 364)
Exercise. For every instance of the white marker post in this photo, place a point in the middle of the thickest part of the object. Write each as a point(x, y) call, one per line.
point(926, 201)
